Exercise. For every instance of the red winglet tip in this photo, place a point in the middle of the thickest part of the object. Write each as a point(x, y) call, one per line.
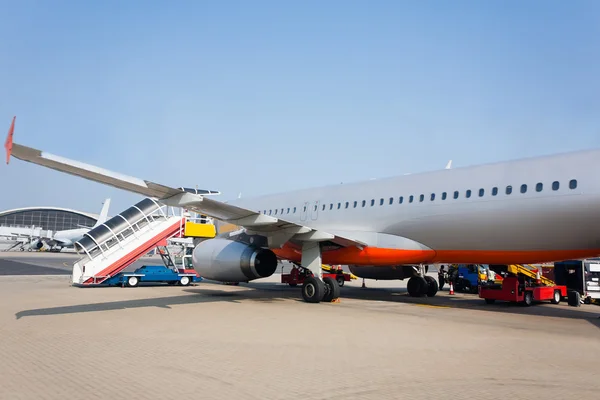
point(8, 145)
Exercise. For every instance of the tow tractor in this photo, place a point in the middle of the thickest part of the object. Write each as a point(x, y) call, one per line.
point(170, 272)
point(298, 274)
point(522, 284)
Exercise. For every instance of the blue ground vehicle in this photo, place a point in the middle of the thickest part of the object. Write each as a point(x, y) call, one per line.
point(175, 271)
point(466, 277)
point(153, 273)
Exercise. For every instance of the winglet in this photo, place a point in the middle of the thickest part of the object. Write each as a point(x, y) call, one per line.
point(8, 144)
point(449, 165)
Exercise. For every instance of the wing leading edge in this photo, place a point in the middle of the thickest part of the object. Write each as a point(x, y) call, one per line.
point(277, 230)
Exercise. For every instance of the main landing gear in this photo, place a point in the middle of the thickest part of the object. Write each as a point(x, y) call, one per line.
point(422, 285)
point(316, 289)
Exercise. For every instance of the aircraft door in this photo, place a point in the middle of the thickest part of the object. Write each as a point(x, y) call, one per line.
point(314, 212)
point(304, 211)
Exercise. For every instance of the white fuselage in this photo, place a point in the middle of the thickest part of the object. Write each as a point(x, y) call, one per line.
point(528, 218)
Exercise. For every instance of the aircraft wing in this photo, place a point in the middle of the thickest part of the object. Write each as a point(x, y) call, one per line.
point(96, 174)
point(277, 230)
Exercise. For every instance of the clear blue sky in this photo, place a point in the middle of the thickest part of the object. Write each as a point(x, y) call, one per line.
point(264, 96)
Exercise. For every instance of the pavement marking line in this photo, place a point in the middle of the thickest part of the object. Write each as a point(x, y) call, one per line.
point(430, 305)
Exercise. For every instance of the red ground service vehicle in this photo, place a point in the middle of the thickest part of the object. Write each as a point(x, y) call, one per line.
point(523, 285)
point(298, 274)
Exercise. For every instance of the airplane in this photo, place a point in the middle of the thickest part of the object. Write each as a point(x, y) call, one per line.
point(68, 237)
point(532, 210)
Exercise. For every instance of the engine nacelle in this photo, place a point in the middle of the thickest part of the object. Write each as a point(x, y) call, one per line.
point(229, 261)
point(36, 244)
point(384, 273)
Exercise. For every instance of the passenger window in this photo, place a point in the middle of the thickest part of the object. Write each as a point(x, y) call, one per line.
point(421, 198)
point(410, 199)
point(270, 211)
point(355, 204)
point(401, 200)
point(372, 202)
point(380, 202)
point(323, 207)
point(444, 196)
point(275, 212)
point(494, 191)
point(331, 206)
point(523, 188)
point(347, 204)
point(468, 194)
point(481, 192)
point(539, 187)
point(432, 196)
point(573, 184)
point(339, 205)
point(509, 189)
point(364, 203)
point(304, 208)
point(555, 185)
point(391, 200)
point(282, 211)
point(456, 194)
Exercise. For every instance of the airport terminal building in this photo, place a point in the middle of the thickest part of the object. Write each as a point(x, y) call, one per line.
point(47, 218)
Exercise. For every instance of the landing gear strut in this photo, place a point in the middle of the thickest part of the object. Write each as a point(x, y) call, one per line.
point(422, 285)
point(316, 289)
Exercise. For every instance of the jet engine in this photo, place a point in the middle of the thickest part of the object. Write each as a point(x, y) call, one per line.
point(384, 273)
point(36, 244)
point(225, 260)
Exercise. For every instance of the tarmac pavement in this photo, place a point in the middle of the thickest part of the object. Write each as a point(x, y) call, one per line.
point(261, 341)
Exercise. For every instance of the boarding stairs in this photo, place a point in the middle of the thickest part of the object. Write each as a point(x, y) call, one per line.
point(122, 240)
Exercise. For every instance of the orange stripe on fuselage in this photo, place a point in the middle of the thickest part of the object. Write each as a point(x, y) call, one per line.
point(366, 256)
point(510, 257)
point(381, 257)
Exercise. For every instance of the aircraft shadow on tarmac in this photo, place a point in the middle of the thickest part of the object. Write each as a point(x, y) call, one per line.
point(192, 296)
point(269, 292)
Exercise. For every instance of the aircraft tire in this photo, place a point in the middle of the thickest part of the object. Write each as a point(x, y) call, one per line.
point(332, 290)
point(417, 286)
point(432, 286)
point(313, 290)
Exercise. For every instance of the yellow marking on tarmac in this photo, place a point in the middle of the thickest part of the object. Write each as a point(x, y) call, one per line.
point(430, 305)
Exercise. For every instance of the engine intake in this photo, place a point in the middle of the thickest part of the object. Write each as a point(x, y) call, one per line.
point(229, 261)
